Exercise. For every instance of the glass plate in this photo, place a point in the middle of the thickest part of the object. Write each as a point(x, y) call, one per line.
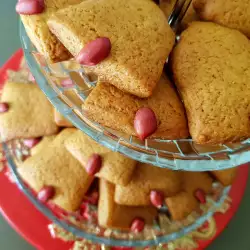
point(163, 230)
point(174, 154)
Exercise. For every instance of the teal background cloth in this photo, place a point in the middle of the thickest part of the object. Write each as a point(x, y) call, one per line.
point(235, 236)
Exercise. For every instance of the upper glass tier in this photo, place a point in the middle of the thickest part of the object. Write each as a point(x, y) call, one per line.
point(174, 154)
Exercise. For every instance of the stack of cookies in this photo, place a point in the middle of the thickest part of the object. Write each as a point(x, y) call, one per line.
point(204, 94)
point(126, 43)
point(67, 168)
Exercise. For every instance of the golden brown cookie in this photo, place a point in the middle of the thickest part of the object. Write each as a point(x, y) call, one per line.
point(211, 66)
point(190, 16)
point(136, 60)
point(147, 178)
point(55, 166)
point(30, 114)
point(116, 168)
point(193, 181)
point(231, 13)
point(45, 142)
point(37, 29)
point(225, 177)
point(113, 215)
point(105, 103)
point(181, 205)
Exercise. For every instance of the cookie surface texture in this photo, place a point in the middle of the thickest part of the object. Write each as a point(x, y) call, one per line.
point(45, 142)
point(234, 14)
point(181, 205)
point(30, 114)
point(211, 66)
point(225, 177)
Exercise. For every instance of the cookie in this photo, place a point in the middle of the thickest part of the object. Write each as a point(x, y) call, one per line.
point(181, 205)
point(55, 166)
point(30, 114)
point(225, 177)
point(105, 103)
point(192, 181)
point(190, 16)
point(234, 14)
point(147, 178)
point(116, 168)
point(136, 60)
point(37, 29)
point(45, 142)
point(112, 215)
point(214, 82)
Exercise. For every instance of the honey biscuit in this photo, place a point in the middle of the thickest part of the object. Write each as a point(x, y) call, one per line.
point(185, 202)
point(147, 178)
point(55, 166)
point(181, 205)
point(112, 215)
point(225, 177)
point(136, 60)
point(116, 168)
point(45, 142)
point(193, 181)
point(37, 29)
point(105, 103)
point(233, 14)
point(214, 82)
point(30, 114)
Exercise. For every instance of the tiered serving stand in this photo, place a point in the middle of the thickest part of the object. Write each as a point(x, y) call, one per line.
point(174, 154)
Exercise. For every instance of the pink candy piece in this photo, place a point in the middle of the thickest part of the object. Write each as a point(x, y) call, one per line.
point(30, 7)
point(137, 225)
point(94, 164)
point(31, 78)
point(46, 193)
point(156, 198)
point(30, 143)
point(200, 196)
point(67, 83)
point(94, 52)
point(145, 123)
point(4, 107)
point(84, 210)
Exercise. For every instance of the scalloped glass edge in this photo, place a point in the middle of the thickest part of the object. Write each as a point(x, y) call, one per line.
point(102, 240)
point(175, 164)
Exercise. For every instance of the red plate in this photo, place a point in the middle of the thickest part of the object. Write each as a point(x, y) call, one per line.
point(18, 210)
